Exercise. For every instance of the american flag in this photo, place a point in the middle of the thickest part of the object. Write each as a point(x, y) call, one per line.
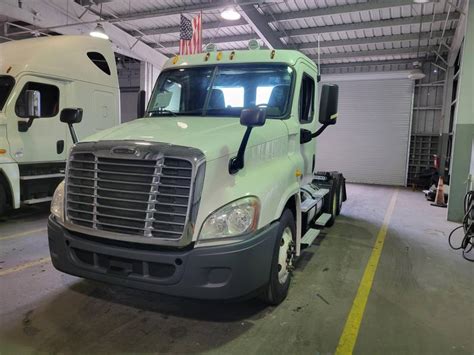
point(190, 35)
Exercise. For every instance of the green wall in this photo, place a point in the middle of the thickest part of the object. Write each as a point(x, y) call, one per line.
point(464, 127)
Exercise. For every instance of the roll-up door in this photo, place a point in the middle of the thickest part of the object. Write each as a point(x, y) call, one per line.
point(369, 143)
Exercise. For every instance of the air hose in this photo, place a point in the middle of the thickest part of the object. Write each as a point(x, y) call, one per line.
point(467, 243)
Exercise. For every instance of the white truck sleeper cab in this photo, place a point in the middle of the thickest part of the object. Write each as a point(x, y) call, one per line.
point(39, 79)
point(193, 201)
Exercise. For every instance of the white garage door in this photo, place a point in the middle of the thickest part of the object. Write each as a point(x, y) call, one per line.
point(369, 143)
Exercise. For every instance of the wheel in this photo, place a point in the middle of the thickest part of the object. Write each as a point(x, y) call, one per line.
point(3, 200)
point(282, 263)
point(331, 203)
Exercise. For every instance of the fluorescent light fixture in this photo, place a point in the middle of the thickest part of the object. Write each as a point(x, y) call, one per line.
point(230, 14)
point(99, 32)
point(416, 74)
point(422, 1)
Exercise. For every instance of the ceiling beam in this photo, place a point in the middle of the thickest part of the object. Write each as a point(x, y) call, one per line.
point(202, 6)
point(213, 25)
point(342, 9)
point(371, 24)
point(334, 28)
point(366, 63)
point(374, 40)
point(55, 13)
point(458, 36)
point(223, 39)
point(260, 25)
point(375, 53)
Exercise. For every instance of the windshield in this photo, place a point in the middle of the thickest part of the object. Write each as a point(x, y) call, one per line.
point(222, 90)
point(6, 86)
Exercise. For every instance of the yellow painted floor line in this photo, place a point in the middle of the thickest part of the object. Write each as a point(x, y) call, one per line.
point(24, 266)
point(351, 328)
point(23, 234)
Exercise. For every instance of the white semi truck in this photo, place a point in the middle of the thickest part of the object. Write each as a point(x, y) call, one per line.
point(38, 79)
point(212, 194)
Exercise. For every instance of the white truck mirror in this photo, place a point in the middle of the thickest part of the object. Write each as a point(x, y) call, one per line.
point(33, 103)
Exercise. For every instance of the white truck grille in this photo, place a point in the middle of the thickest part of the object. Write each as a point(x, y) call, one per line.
point(147, 198)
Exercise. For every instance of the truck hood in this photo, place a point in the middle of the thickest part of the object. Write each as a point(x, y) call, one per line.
point(214, 136)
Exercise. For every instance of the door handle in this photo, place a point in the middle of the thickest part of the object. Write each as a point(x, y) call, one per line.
point(60, 146)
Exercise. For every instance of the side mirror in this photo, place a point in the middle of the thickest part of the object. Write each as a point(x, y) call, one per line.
point(141, 102)
point(253, 117)
point(33, 103)
point(71, 115)
point(328, 104)
point(250, 118)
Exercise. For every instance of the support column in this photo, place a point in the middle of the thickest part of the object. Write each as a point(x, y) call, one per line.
point(148, 75)
point(464, 126)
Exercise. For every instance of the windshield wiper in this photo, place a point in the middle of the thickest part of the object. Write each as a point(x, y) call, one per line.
point(160, 111)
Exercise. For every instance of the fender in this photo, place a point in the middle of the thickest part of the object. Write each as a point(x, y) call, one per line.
point(11, 175)
point(293, 191)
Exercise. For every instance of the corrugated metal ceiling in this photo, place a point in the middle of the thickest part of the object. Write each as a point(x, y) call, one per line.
point(349, 31)
point(391, 32)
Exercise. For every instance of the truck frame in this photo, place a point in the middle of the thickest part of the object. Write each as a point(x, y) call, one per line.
point(213, 194)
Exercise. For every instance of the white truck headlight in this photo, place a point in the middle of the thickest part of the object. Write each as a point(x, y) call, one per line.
point(237, 218)
point(57, 204)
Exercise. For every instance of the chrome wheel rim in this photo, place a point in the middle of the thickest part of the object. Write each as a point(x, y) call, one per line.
point(284, 255)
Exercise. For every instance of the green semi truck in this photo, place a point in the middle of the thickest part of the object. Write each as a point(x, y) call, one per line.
point(213, 193)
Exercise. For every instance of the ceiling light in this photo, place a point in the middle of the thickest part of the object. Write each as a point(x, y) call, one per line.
point(422, 1)
point(99, 32)
point(416, 73)
point(230, 14)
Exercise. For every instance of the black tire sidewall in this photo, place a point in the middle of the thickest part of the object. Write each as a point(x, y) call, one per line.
point(3, 200)
point(339, 193)
point(276, 291)
point(328, 204)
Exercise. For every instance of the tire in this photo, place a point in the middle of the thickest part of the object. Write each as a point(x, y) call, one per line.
point(280, 277)
point(331, 203)
point(3, 200)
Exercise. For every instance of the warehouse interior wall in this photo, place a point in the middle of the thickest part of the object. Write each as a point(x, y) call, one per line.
point(148, 75)
point(129, 82)
point(463, 130)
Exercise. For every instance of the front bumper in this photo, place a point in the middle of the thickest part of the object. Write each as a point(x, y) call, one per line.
point(219, 272)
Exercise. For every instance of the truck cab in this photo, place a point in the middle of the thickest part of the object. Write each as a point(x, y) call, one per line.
point(213, 194)
point(39, 78)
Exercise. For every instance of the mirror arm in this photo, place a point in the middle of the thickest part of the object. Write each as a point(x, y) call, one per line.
point(23, 125)
point(73, 133)
point(319, 131)
point(237, 163)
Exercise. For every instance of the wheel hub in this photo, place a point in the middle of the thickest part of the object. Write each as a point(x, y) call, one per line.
point(285, 255)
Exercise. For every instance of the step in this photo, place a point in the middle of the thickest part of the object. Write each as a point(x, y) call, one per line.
point(323, 220)
point(45, 176)
point(309, 237)
point(37, 200)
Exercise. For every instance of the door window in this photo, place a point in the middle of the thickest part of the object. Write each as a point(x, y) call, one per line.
point(306, 102)
point(49, 99)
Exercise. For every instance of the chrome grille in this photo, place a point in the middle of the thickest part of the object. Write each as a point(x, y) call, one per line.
point(144, 197)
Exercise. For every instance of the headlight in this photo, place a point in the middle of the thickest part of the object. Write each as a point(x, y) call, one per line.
point(57, 204)
point(237, 218)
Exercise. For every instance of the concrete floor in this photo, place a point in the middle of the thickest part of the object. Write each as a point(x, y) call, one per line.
point(422, 299)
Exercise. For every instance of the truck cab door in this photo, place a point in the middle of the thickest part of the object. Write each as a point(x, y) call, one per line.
point(45, 140)
point(307, 117)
